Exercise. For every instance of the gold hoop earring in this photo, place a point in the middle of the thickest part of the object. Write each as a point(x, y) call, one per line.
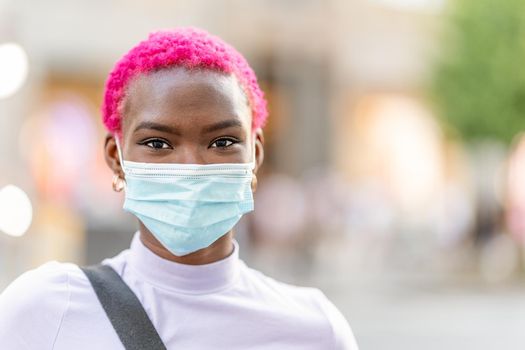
point(254, 183)
point(118, 184)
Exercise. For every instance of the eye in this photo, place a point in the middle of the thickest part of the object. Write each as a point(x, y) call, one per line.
point(223, 143)
point(156, 144)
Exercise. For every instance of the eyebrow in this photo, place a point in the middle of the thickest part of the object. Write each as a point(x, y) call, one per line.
point(210, 128)
point(156, 126)
point(223, 125)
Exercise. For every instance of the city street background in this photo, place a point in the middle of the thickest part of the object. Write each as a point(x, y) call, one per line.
point(394, 174)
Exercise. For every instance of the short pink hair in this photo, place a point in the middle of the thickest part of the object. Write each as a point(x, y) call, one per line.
point(182, 47)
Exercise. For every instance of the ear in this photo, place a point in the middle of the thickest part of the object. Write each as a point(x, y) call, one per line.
point(111, 156)
point(259, 149)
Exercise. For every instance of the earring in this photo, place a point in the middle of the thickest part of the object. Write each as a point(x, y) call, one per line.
point(118, 184)
point(254, 183)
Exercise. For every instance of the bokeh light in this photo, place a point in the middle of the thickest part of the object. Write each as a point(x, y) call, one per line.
point(13, 68)
point(16, 211)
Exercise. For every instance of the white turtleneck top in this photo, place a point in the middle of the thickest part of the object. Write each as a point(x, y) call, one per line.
point(223, 305)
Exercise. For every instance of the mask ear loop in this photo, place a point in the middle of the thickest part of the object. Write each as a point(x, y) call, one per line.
point(120, 157)
point(254, 177)
point(119, 184)
point(252, 163)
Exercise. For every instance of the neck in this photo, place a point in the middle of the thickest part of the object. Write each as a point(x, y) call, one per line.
point(219, 250)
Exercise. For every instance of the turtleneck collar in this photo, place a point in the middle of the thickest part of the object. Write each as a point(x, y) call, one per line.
point(190, 279)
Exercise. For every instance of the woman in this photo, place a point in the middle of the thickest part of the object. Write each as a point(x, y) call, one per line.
point(184, 114)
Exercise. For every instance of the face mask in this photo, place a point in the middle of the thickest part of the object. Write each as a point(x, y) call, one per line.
point(187, 207)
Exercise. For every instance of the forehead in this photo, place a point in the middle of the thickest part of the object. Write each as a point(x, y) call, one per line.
point(180, 96)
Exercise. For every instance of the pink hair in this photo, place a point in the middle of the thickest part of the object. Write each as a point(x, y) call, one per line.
point(182, 47)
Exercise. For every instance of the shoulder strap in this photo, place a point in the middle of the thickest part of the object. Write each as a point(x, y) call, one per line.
point(124, 310)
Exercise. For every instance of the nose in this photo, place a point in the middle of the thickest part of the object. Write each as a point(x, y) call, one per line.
point(189, 154)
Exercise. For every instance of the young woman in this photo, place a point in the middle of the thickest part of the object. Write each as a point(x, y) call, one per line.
point(184, 114)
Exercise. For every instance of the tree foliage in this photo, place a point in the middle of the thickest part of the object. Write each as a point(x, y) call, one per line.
point(479, 82)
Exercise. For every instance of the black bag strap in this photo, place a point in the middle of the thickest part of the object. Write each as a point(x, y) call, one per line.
point(124, 310)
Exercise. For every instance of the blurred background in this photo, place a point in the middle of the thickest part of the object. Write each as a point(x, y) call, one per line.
point(395, 171)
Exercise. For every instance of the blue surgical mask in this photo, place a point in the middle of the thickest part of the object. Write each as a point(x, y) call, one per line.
point(187, 207)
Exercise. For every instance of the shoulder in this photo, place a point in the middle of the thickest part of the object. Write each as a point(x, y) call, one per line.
point(342, 333)
point(32, 307)
point(307, 301)
point(46, 284)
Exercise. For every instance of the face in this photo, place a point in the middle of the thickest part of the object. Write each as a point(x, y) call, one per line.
point(181, 116)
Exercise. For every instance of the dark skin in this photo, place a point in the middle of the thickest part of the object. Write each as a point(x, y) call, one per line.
point(191, 117)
